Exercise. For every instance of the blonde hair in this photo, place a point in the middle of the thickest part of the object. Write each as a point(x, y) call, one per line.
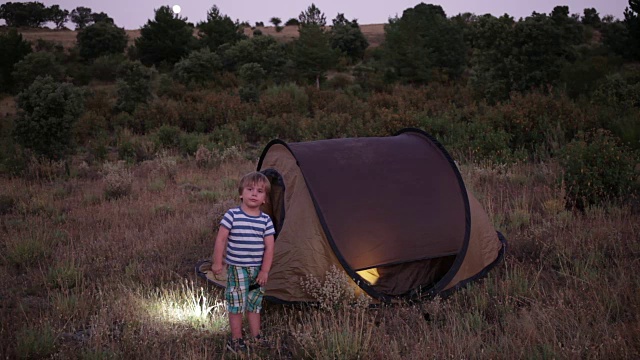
point(254, 178)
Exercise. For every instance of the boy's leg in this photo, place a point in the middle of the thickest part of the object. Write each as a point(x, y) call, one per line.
point(235, 323)
point(235, 294)
point(254, 323)
point(254, 304)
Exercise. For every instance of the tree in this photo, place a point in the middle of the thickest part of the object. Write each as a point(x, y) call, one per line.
point(27, 14)
point(312, 16)
point(101, 38)
point(423, 45)
point(292, 22)
point(13, 48)
point(520, 56)
point(263, 50)
point(101, 17)
point(81, 16)
point(312, 52)
point(199, 67)
point(632, 22)
point(347, 38)
point(134, 86)
point(34, 65)
point(276, 21)
point(47, 113)
point(166, 39)
point(252, 76)
point(591, 17)
point(218, 30)
point(58, 16)
point(616, 37)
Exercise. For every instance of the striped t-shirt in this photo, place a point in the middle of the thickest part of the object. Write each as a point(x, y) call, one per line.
point(246, 236)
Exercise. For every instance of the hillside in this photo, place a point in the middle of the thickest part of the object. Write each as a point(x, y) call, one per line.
point(373, 32)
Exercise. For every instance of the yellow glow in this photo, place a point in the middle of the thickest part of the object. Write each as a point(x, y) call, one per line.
point(371, 275)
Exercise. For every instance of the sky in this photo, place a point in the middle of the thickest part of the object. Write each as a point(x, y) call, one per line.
point(133, 14)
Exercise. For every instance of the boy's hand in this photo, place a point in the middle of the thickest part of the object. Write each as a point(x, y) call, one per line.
point(262, 278)
point(216, 268)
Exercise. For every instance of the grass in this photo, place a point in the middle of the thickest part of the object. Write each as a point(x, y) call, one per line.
point(115, 279)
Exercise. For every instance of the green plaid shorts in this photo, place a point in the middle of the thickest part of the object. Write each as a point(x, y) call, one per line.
point(239, 298)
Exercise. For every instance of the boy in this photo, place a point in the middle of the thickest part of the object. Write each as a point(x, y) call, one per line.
point(248, 236)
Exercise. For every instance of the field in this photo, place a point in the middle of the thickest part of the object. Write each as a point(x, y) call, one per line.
point(373, 32)
point(89, 275)
point(97, 253)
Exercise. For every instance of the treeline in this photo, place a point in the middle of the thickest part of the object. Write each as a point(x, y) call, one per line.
point(35, 14)
point(490, 88)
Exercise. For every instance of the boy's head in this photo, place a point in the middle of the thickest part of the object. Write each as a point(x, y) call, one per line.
point(254, 179)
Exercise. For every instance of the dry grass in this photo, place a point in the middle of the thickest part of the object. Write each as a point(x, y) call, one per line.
point(82, 276)
point(67, 38)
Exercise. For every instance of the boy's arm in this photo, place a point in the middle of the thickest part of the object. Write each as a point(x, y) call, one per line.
point(218, 249)
point(267, 260)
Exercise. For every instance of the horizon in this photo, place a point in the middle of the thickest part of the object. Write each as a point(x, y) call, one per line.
point(134, 15)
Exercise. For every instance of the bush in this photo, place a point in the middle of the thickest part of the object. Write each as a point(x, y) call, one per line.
point(249, 94)
point(13, 48)
point(105, 68)
point(118, 180)
point(598, 168)
point(198, 67)
point(168, 136)
point(101, 38)
point(35, 342)
point(48, 111)
point(35, 65)
point(134, 86)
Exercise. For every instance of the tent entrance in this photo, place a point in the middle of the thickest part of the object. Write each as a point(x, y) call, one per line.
point(274, 206)
point(400, 279)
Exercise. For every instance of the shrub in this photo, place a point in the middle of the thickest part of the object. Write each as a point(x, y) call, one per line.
point(285, 98)
point(135, 150)
point(105, 68)
point(167, 87)
point(89, 126)
point(206, 158)
point(64, 275)
point(597, 168)
point(27, 251)
point(134, 86)
point(189, 143)
point(101, 38)
point(39, 64)
point(198, 67)
point(249, 94)
point(168, 136)
point(226, 136)
point(13, 48)
point(48, 111)
point(35, 342)
point(118, 180)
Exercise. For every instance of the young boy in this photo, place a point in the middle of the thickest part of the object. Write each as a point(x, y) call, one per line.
point(247, 234)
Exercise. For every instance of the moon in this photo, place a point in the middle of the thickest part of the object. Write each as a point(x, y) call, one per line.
point(176, 9)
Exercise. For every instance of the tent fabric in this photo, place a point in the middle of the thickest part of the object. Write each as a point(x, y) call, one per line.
point(393, 212)
point(377, 201)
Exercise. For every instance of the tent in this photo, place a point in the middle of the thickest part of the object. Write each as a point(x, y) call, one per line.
point(393, 212)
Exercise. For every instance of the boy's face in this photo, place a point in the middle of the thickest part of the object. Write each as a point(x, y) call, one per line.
point(253, 195)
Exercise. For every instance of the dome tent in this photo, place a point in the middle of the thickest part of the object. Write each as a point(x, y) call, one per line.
point(393, 212)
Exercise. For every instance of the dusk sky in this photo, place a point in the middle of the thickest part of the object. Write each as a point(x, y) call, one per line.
point(132, 14)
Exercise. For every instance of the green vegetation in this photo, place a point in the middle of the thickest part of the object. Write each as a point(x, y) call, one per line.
point(164, 40)
point(49, 110)
point(114, 164)
point(101, 38)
